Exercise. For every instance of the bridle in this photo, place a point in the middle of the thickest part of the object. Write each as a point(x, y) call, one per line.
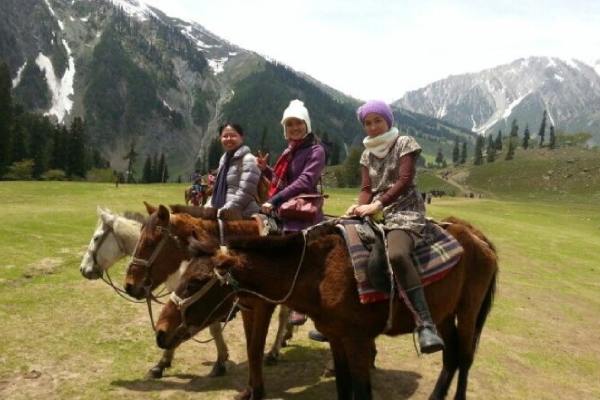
point(108, 229)
point(227, 279)
point(147, 283)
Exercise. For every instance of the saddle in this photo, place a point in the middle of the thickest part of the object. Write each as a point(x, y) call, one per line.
point(434, 255)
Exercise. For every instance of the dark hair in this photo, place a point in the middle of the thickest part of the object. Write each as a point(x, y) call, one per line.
point(237, 127)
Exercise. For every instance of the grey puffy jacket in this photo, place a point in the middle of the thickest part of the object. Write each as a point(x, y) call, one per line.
point(242, 181)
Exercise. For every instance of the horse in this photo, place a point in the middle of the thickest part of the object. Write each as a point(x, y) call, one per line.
point(310, 272)
point(143, 274)
point(115, 237)
point(198, 198)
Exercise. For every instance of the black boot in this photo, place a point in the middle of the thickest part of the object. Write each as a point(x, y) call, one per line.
point(317, 336)
point(429, 341)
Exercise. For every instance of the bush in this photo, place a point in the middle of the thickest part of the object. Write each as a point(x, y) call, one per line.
point(54, 175)
point(20, 170)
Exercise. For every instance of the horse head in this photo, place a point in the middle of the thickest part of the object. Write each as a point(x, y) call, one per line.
point(198, 301)
point(158, 252)
point(104, 249)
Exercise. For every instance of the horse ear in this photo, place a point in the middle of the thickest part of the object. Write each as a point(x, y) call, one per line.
point(107, 218)
point(163, 214)
point(151, 209)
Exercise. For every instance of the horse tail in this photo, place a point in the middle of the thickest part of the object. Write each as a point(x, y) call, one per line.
point(486, 307)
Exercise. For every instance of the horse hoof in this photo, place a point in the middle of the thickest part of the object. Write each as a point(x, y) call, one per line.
point(271, 359)
point(155, 373)
point(249, 394)
point(328, 372)
point(217, 370)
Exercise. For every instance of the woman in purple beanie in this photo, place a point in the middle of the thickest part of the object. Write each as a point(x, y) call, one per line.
point(388, 166)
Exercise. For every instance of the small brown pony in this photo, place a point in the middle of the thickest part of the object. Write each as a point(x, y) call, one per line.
point(175, 230)
point(310, 272)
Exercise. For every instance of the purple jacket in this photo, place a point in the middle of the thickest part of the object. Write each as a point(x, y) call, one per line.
point(303, 176)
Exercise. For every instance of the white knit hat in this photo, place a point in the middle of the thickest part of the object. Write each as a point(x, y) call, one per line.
point(296, 109)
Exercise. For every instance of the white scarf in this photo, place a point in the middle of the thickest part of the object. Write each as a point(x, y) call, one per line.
point(380, 145)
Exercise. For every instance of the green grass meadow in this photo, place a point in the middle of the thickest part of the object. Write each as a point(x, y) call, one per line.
point(65, 337)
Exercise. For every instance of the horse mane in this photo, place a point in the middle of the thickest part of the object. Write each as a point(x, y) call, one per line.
point(206, 212)
point(135, 216)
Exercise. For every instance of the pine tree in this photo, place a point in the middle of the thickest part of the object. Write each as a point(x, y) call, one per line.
point(542, 131)
point(526, 137)
point(439, 158)
point(335, 153)
point(478, 157)
point(40, 131)
point(498, 144)
point(514, 129)
point(262, 146)
point(455, 153)
point(147, 171)
point(552, 143)
point(491, 150)
point(76, 160)
point(58, 153)
point(19, 144)
point(463, 153)
point(6, 117)
point(131, 157)
point(160, 171)
point(155, 171)
point(510, 154)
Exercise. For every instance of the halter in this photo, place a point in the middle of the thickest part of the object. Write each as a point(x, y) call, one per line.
point(227, 279)
point(109, 229)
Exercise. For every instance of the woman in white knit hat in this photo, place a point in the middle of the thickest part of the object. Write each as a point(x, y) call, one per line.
point(297, 171)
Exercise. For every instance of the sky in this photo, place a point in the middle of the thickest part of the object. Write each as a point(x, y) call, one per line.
point(382, 49)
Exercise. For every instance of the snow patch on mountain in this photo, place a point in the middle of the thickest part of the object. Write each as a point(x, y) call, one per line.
point(572, 63)
point(17, 79)
point(135, 8)
point(62, 90)
point(217, 65)
point(60, 24)
point(558, 78)
point(512, 105)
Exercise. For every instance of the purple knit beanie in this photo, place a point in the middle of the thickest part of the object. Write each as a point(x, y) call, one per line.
point(377, 107)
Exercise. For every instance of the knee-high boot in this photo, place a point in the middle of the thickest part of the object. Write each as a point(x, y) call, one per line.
point(429, 340)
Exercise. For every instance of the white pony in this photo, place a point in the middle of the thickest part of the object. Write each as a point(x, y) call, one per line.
point(115, 237)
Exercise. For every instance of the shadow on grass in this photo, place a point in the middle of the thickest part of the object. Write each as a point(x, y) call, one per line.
point(297, 375)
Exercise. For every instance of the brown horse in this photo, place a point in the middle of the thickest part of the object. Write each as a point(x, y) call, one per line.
point(311, 274)
point(174, 230)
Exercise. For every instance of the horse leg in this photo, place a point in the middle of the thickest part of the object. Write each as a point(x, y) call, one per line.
point(256, 326)
point(447, 330)
point(343, 378)
point(466, 349)
point(283, 330)
point(219, 368)
point(360, 356)
point(156, 372)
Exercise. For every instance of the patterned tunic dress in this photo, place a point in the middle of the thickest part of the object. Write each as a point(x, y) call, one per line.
point(408, 211)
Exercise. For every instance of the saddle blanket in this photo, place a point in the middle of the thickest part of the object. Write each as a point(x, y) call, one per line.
point(434, 255)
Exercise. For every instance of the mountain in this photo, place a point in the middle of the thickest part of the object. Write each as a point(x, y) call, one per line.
point(139, 76)
point(489, 100)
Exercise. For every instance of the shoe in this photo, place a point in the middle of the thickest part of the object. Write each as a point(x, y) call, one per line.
point(317, 336)
point(429, 340)
point(297, 318)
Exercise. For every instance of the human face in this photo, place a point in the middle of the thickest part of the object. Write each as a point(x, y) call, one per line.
point(231, 139)
point(374, 125)
point(295, 129)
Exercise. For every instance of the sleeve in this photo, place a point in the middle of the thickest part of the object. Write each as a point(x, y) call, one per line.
point(365, 194)
point(247, 186)
point(307, 180)
point(406, 175)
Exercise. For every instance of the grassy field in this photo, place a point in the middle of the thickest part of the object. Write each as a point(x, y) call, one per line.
point(66, 337)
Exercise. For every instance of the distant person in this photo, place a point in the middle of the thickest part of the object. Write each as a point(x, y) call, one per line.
point(297, 171)
point(388, 167)
point(238, 173)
